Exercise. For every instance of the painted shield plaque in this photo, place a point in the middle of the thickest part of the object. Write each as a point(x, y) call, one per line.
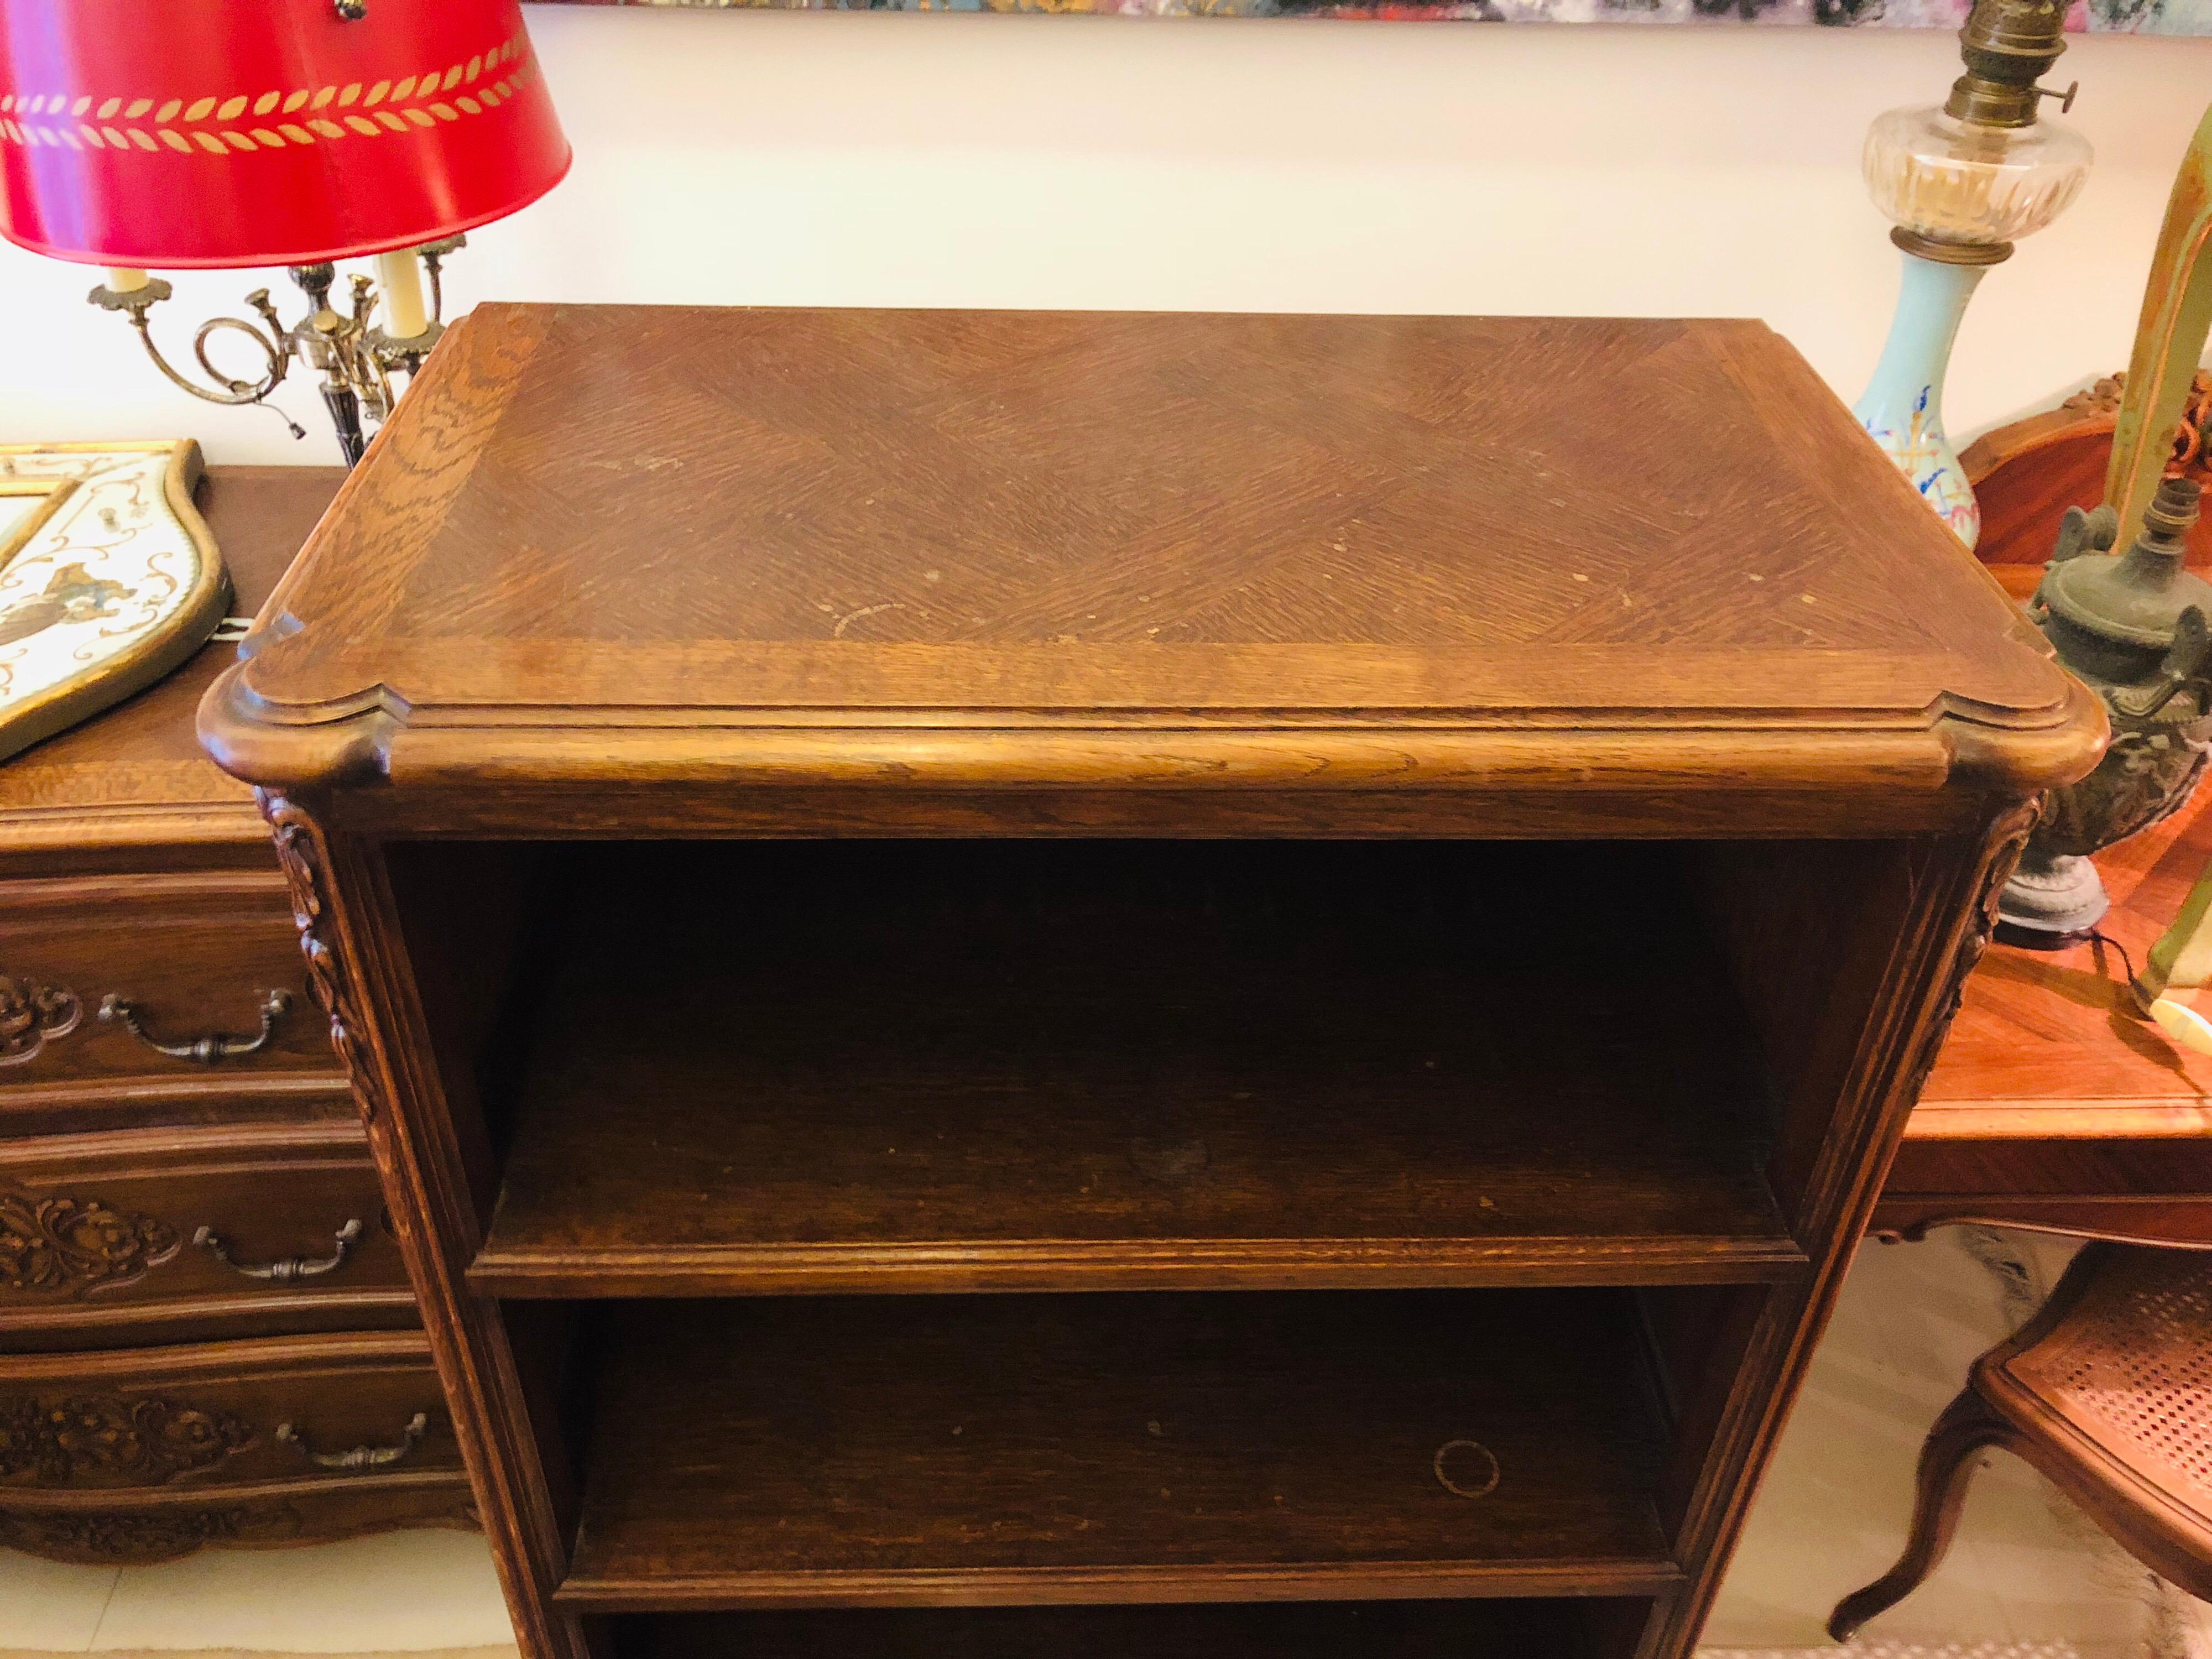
point(108, 578)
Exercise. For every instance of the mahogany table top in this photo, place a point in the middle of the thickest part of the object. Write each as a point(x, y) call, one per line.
point(2048, 1044)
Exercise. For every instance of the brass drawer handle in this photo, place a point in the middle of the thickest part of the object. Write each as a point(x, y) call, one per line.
point(205, 1050)
point(286, 1268)
point(361, 1457)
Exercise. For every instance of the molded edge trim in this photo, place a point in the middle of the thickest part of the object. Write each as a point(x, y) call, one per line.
point(960, 1266)
point(368, 740)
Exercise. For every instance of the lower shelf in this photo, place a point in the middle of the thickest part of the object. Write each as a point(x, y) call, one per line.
point(1115, 1447)
point(1346, 1630)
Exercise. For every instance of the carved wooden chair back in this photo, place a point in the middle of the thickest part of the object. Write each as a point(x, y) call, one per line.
point(2026, 473)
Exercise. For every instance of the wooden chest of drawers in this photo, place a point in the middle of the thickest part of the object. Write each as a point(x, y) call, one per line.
point(206, 1330)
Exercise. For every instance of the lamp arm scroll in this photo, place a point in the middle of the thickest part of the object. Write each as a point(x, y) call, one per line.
point(138, 303)
point(2177, 318)
point(137, 300)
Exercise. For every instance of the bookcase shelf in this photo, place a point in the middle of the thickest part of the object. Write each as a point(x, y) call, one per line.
point(947, 1066)
point(1154, 1447)
point(1493, 1629)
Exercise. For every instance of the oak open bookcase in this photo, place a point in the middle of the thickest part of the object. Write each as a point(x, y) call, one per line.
point(1002, 966)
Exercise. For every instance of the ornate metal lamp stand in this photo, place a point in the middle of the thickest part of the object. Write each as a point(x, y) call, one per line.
point(355, 360)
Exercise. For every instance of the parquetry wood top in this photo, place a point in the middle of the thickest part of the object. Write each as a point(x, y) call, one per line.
point(1021, 550)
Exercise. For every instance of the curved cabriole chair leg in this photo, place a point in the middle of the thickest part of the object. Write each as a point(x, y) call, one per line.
point(1966, 1427)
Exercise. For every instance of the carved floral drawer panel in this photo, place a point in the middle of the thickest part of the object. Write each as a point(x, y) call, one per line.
point(175, 979)
point(148, 1454)
point(162, 1237)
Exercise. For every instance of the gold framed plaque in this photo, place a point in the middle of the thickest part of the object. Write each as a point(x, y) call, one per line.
point(108, 578)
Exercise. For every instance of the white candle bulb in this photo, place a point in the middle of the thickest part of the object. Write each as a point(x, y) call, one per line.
point(400, 276)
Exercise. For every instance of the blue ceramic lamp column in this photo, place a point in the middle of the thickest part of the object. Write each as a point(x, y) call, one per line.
point(1903, 404)
point(1962, 182)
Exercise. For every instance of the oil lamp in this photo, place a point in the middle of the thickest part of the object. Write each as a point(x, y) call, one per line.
point(2136, 626)
point(1962, 182)
point(243, 133)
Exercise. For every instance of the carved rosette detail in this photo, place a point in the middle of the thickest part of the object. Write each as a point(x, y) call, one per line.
point(31, 1013)
point(77, 1245)
point(302, 857)
point(2008, 838)
point(2102, 399)
point(104, 1439)
point(110, 1537)
point(2189, 439)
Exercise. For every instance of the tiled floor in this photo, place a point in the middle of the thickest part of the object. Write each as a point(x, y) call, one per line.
point(2028, 1578)
point(401, 1592)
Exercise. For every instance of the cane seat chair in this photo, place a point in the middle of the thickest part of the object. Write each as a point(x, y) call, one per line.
point(2107, 1391)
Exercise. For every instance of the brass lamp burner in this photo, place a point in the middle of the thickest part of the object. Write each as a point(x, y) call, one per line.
point(2009, 45)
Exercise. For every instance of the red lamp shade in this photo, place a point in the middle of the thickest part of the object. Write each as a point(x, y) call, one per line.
point(179, 133)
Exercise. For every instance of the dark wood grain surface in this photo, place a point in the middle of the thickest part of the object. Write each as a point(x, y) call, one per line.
point(148, 1454)
point(1490, 1629)
point(1087, 551)
point(195, 953)
point(218, 1407)
point(267, 1193)
point(1115, 1448)
point(1134, 1064)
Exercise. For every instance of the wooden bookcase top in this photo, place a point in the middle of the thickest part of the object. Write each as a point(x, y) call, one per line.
point(1513, 559)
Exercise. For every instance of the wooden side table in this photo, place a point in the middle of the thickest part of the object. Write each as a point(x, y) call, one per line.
point(1002, 965)
point(2054, 1106)
point(202, 1309)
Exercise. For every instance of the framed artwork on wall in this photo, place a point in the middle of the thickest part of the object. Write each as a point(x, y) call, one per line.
point(2095, 17)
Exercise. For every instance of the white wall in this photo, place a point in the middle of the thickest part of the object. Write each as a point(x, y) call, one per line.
point(881, 159)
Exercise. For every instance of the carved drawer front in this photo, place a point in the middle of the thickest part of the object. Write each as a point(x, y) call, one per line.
point(179, 978)
point(160, 1235)
point(146, 1454)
